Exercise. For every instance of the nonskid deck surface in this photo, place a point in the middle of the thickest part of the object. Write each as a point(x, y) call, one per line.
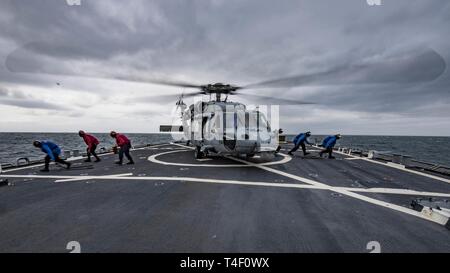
point(170, 202)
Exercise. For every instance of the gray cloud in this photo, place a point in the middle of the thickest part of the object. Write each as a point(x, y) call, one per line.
point(352, 57)
point(20, 99)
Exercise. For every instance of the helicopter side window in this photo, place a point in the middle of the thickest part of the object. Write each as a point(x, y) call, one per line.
point(241, 116)
point(230, 125)
point(240, 125)
point(197, 124)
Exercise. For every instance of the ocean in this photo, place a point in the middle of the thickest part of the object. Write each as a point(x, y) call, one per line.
point(19, 145)
point(429, 149)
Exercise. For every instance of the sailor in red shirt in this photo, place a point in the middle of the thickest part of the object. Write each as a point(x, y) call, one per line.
point(125, 145)
point(91, 143)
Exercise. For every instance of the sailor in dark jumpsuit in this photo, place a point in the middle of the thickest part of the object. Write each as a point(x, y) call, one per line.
point(328, 144)
point(300, 140)
point(53, 152)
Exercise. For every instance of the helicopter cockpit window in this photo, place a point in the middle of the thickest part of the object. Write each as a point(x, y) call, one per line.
point(257, 120)
point(263, 123)
point(240, 119)
point(252, 121)
point(214, 124)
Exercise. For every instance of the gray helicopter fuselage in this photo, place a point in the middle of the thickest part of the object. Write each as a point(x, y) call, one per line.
point(228, 128)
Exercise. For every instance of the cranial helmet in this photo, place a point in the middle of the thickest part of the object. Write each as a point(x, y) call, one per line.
point(113, 134)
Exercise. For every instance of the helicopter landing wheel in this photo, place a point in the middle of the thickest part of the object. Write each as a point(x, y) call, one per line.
point(198, 153)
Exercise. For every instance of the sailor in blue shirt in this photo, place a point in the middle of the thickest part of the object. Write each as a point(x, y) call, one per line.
point(300, 140)
point(53, 152)
point(328, 143)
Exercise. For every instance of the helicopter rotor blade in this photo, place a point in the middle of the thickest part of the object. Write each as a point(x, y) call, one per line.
point(416, 67)
point(422, 66)
point(278, 101)
point(172, 83)
point(169, 98)
point(14, 63)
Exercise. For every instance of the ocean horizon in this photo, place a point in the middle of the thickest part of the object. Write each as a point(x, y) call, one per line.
point(433, 149)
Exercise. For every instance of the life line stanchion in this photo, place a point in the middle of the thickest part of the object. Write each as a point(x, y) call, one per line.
point(26, 159)
point(3, 182)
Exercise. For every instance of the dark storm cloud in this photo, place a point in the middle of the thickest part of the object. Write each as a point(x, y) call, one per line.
point(388, 59)
point(93, 32)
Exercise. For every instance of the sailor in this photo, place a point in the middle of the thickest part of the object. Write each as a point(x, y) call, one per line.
point(280, 132)
point(125, 145)
point(328, 143)
point(300, 140)
point(53, 151)
point(91, 143)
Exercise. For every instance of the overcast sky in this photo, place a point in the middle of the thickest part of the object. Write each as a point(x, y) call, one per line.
point(60, 63)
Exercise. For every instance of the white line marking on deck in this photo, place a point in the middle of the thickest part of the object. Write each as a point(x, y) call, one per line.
point(65, 179)
point(84, 178)
point(24, 168)
point(342, 191)
point(204, 159)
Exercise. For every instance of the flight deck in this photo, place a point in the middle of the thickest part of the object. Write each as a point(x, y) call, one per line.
point(171, 202)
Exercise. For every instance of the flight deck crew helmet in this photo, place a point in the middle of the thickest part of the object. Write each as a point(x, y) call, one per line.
point(308, 133)
point(37, 144)
point(81, 133)
point(338, 136)
point(113, 134)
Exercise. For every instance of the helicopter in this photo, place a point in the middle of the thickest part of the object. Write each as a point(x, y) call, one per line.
point(222, 127)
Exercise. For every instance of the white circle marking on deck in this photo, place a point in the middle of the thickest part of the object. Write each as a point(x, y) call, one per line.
point(154, 159)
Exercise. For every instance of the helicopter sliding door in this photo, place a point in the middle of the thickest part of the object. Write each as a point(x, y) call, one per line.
point(230, 130)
